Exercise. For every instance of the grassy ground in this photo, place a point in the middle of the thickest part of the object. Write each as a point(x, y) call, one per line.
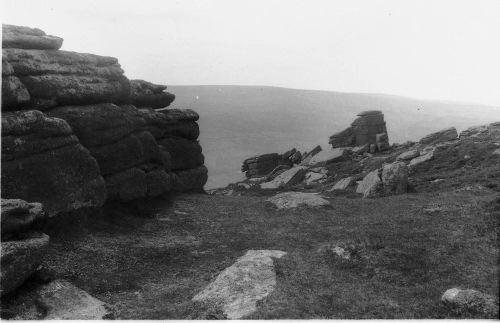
point(150, 266)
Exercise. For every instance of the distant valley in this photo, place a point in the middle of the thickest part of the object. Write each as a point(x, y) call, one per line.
point(238, 122)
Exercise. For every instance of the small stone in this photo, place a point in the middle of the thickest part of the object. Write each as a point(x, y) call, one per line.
point(472, 301)
point(290, 200)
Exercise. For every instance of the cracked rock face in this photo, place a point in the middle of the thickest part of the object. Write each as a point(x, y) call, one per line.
point(238, 288)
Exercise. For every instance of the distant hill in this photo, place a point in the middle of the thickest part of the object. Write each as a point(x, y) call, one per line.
point(241, 121)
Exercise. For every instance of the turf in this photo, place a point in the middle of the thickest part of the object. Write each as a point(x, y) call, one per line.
point(147, 262)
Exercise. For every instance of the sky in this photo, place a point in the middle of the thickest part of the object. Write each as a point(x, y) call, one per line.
point(430, 49)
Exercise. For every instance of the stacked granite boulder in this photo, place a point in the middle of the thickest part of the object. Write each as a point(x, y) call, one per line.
point(263, 165)
point(76, 131)
point(22, 248)
point(368, 130)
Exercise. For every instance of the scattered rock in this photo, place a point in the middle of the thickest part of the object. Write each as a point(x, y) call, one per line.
point(289, 177)
point(440, 136)
point(395, 178)
point(313, 177)
point(471, 301)
point(290, 200)
point(306, 158)
point(371, 185)
point(239, 287)
point(425, 157)
point(343, 184)
point(64, 301)
point(20, 259)
point(408, 155)
point(326, 157)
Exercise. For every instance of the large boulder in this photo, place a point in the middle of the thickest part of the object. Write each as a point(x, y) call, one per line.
point(261, 165)
point(55, 78)
point(25, 37)
point(289, 177)
point(368, 129)
point(371, 185)
point(20, 259)
point(395, 178)
point(440, 136)
point(43, 161)
point(239, 287)
point(18, 215)
point(344, 138)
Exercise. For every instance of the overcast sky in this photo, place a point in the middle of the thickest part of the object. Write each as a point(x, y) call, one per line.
point(447, 50)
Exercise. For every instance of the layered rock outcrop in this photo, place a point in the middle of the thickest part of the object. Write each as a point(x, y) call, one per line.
point(76, 131)
point(368, 129)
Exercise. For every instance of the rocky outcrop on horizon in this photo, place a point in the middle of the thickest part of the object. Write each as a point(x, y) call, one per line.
point(76, 132)
point(368, 129)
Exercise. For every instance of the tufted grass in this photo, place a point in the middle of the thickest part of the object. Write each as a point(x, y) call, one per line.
point(149, 260)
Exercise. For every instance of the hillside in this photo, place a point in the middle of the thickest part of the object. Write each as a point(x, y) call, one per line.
point(237, 122)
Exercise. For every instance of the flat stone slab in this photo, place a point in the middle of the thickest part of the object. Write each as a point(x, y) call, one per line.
point(289, 177)
point(64, 301)
point(290, 200)
point(238, 288)
point(326, 157)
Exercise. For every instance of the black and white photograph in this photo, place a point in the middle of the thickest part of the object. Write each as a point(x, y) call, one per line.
point(250, 160)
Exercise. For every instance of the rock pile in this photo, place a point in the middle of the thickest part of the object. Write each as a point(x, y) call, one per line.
point(263, 165)
point(76, 131)
point(368, 129)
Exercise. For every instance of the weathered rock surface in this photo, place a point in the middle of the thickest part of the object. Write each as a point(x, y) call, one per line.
point(395, 178)
point(239, 287)
point(313, 177)
point(371, 185)
point(25, 37)
point(289, 177)
point(146, 94)
point(343, 184)
point(20, 259)
point(440, 136)
point(409, 155)
point(425, 156)
point(19, 215)
point(326, 157)
point(64, 301)
point(344, 138)
point(43, 161)
point(369, 128)
point(89, 106)
point(472, 301)
point(289, 200)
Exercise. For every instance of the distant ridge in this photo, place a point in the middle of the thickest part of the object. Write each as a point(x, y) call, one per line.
point(240, 121)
